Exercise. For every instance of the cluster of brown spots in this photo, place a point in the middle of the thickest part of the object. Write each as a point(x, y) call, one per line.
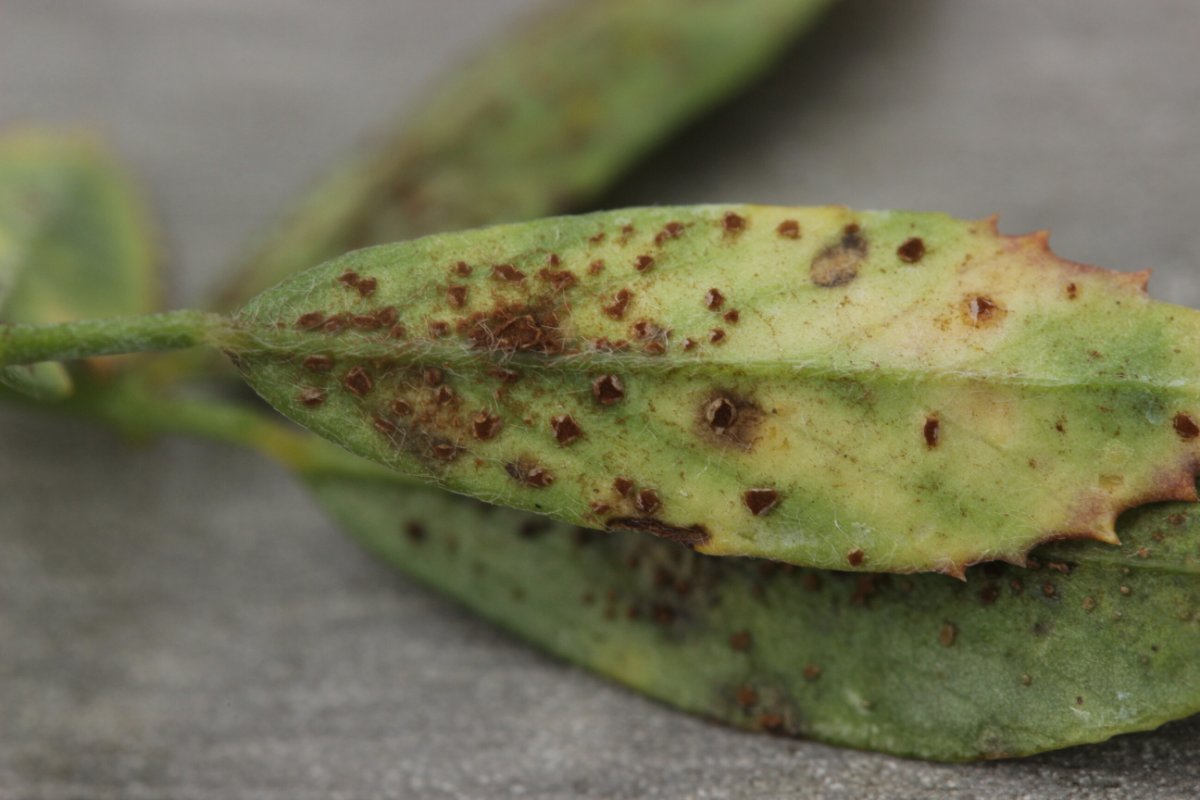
point(559, 279)
point(733, 223)
point(643, 262)
point(912, 251)
point(485, 425)
point(716, 335)
point(310, 321)
point(838, 264)
point(1072, 291)
point(622, 486)
point(672, 230)
point(352, 280)
point(1186, 427)
point(358, 382)
point(349, 279)
point(514, 328)
point(647, 501)
point(596, 267)
point(566, 429)
point(529, 473)
point(507, 272)
point(932, 431)
point(462, 268)
point(652, 334)
point(741, 640)
point(311, 397)
point(318, 363)
point(691, 536)
point(608, 390)
point(713, 299)
point(616, 309)
point(457, 296)
point(760, 501)
point(856, 557)
point(788, 229)
point(948, 634)
point(980, 310)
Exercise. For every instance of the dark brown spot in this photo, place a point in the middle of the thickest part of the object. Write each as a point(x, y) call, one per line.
point(733, 223)
point(311, 397)
point(741, 640)
point(515, 328)
point(616, 309)
point(462, 268)
point(445, 396)
point(439, 329)
point(553, 260)
point(689, 344)
point(622, 486)
point(980, 310)
point(560, 280)
point(732, 316)
point(716, 335)
point(310, 321)
point(856, 557)
point(721, 413)
point(912, 251)
point(691, 536)
point(608, 390)
point(445, 450)
point(789, 229)
point(349, 278)
point(643, 263)
point(596, 267)
point(366, 287)
point(318, 363)
point(760, 501)
point(358, 382)
point(948, 634)
point(386, 427)
point(596, 238)
point(566, 429)
point(433, 376)
point(415, 531)
point(336, 323)
point(672, 230)
point(386, 316)
point(1072, 291)
point(647, 502)
point(933, 431)
point(713, 299)
point(838, 264)
point(746, 697)
point(529, 473)
point(507, 272)
point(400, 407)
point(1186, 427)
point(457, 296)
point(485, 425)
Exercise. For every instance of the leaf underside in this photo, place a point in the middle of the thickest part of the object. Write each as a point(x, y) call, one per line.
point(1089, 642)
point(887, 392)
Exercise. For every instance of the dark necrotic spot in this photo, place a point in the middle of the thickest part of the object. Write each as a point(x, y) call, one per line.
point(647, 501)
point(789, 229)
point(933, 431)
point(760, 501)
point(721, 413)
point(608, 390)
point(485, 425)
point(729, 420)
point(691, 536)
point(358, 382)
point(1186, 427)
point(444, 450)
point(566, 429)
point(415, 531)
point(912, 251)
point(445, 396)
point(515, 328)
point(318, 363)
point(838, 264)
point(311, 397)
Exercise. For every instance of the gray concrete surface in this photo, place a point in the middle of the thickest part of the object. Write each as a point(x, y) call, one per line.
point(179, 621)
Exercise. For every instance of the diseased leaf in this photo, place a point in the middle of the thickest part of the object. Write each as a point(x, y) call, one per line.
point(539, 123)
point(875, 391)
point(73, 243)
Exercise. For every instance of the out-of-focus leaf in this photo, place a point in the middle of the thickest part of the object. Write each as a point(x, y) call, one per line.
point(73, 243)
point(1091, 641)
point(888, 392)
point(539, 123)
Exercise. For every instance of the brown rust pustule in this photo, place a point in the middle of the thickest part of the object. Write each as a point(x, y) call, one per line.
point(559, 279)
point(643, 262)
point(732, 223)
point(311, 321)
point(713, 299)
point(608, 390)
point(672, 230)
point(838, 264)
point(760, 502)
point(932, 431)
point(485, 425)
point(507, 272)
point(311, 397)
point(515, 328)
point(789, 229)
point(912, 251)
point(456, 296)
point(566, 429)
point(690, 536)
point(728, 419)
point(616, 309)
point(980, 311)
point(647, 502)
point(358, 382)
point(318, 363)
point(529, 473)
point(1185, 426)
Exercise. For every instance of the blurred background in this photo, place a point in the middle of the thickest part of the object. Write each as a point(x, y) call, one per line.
point(180, 620)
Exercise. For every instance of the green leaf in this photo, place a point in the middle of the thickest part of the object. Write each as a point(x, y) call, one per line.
point(1090, 642)
point(73, 243)
point(877, 391)
point(541, 122)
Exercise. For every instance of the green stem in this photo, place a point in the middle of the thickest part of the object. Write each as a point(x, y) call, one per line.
point(174, 330)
